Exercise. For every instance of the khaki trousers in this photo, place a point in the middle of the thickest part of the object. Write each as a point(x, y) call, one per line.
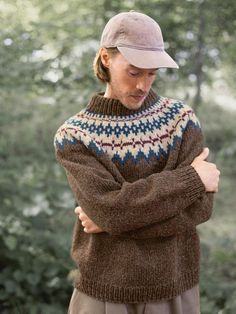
point(186, 303)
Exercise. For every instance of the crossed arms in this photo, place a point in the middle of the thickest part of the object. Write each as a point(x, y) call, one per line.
point(144, 208)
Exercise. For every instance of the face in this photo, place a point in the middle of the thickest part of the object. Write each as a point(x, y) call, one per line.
point(129, 84)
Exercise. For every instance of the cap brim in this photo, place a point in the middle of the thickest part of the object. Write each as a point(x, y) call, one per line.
point(148, 59)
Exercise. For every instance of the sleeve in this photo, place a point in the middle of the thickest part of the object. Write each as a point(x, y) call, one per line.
point(196, 213)
point(118, 206)
point(185, 222)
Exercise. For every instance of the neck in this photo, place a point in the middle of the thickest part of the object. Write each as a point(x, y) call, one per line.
point(108, 93)
point(110, 106)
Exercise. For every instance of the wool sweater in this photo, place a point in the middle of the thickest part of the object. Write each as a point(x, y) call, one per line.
point(130, 171)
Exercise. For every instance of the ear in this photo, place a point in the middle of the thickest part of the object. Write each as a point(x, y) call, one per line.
point(105, 57)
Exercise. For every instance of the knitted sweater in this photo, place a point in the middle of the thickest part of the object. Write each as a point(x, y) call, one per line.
point(130, 172)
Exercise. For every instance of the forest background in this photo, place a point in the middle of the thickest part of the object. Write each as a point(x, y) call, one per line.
point(46, 54)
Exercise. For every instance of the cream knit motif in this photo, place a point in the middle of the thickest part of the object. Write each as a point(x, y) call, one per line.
point(130, 172)
point(144, 135)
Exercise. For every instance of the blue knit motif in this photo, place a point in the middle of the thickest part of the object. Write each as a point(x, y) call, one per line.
point(143, 136)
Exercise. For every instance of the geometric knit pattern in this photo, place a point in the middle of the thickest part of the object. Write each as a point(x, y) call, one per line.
point(150, 133)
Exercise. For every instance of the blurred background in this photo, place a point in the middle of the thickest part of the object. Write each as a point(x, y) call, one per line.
point(46, 54)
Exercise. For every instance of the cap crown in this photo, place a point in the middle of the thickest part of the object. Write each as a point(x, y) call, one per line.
point(133, 30)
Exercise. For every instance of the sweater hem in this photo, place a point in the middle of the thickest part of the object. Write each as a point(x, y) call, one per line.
point(140, 294)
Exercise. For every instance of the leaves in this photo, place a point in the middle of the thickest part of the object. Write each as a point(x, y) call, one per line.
point(10, 242)
point(46, 54)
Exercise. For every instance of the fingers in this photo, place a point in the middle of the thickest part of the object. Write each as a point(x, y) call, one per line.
point(204, 154)
point(77, 210)
point(90, 226)
point(82, 216)
point(87, 223)
point(93, 229)
point(218, 180)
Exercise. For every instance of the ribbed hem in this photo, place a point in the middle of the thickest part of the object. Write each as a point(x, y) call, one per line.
point(110, 293)
point(194, 184)
point(113, 107)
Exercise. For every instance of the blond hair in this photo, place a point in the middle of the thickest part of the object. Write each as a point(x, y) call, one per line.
point(102, 72)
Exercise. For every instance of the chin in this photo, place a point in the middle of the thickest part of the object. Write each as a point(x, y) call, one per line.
point(133, 105)
point(137, 106)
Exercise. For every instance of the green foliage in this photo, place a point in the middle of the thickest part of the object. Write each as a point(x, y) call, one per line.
point(36, 212)
point(34, 270)
point(218, 275)
point(218, 284)
point(46, 76)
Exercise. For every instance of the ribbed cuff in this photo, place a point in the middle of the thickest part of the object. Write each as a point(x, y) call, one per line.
point(193, 182)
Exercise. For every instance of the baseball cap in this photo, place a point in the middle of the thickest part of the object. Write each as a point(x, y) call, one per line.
point(139, 39)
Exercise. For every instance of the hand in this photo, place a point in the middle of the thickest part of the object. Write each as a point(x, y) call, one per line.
point(207, 171)
point(89, 225)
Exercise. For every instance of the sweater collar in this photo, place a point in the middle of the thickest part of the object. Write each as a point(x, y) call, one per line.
point(109, 106)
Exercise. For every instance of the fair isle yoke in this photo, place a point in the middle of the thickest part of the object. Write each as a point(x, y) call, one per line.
point(153, 132)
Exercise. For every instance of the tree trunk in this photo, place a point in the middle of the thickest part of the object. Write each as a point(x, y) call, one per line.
point(200, 54)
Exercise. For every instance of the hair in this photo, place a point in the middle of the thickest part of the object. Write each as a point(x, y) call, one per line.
point(102, 72)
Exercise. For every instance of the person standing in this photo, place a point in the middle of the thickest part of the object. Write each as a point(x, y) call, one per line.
point(137, 167)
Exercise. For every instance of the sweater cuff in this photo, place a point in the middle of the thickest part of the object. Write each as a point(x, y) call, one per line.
point(193, 182)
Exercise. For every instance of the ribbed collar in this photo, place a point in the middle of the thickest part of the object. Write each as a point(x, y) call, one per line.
point(109, 106)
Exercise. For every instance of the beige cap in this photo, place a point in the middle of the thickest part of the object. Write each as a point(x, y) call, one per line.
point(139, 39)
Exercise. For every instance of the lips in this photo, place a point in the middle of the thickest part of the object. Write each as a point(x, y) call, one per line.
point(138, 97)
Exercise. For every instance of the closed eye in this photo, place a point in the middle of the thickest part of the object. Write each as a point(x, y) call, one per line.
point(134, 74)
point(153, 73)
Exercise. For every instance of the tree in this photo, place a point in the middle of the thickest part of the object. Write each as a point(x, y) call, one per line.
point(46, 61)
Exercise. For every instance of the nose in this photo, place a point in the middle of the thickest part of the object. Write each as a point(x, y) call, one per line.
point(144, 84)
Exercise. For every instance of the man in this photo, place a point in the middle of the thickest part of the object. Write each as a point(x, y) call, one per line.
point(136, 165)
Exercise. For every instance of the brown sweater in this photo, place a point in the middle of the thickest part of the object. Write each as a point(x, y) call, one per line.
point(130, 172)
